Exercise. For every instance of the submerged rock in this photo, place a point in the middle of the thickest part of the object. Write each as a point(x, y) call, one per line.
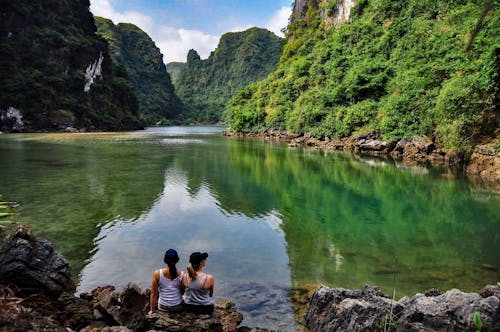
point(338, 309)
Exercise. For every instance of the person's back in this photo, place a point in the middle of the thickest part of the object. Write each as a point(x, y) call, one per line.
point(166, 286)
point(196, 293)
point(199, 287)
point(169, 290)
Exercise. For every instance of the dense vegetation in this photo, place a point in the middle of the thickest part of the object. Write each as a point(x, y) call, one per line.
point(133, 49)
point(241, 58)
point(46, 48)
point(175, 69)
point(402, 68)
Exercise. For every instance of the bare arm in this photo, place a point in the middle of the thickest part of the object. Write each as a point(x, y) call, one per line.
point(210, 284)
point(153, 298)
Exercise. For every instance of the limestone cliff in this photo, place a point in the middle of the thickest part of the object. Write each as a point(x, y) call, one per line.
point(55, 72)
point(133, 49)
point(241, 58)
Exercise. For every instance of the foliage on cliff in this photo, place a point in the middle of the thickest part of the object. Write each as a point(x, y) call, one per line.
point(133, 49)
point(241, 58)
point(175, 69)
point(46, 48)
point(402, 68)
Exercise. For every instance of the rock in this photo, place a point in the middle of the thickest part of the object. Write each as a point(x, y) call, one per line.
point(376, 146)
point(418, 148)
point(76, 313)
point(230, 318)
point(485, 166)
point(340, 309)
point(225, 318)
point(70, 130)
point(32, 264)
point(126, 308)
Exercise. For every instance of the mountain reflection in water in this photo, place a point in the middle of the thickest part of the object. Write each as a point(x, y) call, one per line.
point(276, 222)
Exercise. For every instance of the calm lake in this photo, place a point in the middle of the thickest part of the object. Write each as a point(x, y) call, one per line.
point(275, 221)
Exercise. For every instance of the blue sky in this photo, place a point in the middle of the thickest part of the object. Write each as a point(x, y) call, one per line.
point(179, 25)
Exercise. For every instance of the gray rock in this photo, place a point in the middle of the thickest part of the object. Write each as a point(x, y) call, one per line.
point(32, 264)
point(225, 318)
point(340, 309)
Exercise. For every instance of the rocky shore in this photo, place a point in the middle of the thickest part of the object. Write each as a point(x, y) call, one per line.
point(483, 164)
point(37, 294)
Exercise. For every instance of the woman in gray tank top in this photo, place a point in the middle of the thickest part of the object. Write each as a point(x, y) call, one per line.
point(199, 286)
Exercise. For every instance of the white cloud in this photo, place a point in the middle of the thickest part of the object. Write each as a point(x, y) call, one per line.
point(175, 43)
point(279, 20)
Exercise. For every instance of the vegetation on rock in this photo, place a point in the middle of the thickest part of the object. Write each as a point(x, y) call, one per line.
point(133, 49)
point(175, 69)
point(399, 68)
point(55, 72)
point(241, 58)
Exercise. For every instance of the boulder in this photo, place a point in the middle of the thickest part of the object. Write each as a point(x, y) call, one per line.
point(338, 309)
point(486, 166)
point(225, 318)
point(418, 148)
point(126, 308)
point(32, 264)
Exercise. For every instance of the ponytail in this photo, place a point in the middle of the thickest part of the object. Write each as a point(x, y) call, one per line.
point(172, 270)
point(191, 271)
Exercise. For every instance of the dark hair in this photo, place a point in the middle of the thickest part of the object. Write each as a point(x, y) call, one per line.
point(171, 258)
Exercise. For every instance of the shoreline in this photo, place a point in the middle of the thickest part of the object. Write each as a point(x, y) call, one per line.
point(482, 168)
point(39, 296)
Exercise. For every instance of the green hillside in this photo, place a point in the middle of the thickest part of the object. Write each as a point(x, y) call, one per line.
point(401, 68)
point(135, 50)
point(175, 69)
point(55, 72)
point(241, 58)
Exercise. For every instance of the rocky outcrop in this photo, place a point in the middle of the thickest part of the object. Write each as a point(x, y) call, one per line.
point(32, 263)
point(339, 309)
point(484, 162)
point(35, 282)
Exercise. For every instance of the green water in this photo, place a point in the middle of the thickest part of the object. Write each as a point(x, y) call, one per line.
point(272, 219)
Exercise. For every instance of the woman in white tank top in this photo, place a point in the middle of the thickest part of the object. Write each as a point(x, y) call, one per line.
point(166, 286)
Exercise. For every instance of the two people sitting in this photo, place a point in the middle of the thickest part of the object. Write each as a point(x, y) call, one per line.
point(173, 290)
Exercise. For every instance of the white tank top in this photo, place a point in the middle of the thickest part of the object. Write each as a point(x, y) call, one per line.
point(170, 290)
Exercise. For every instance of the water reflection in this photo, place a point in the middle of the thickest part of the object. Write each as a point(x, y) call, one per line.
point(277, 222)
point(247, 255)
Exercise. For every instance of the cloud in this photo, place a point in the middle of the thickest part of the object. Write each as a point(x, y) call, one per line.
point(175, 43)
point(279, 20)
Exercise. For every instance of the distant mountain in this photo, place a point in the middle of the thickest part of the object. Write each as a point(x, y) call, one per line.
point(241, 58)
point(55, 72)
point(175, 69)
point(137, 53)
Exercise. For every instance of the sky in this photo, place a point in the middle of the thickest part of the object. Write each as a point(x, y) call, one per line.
point(176, 26)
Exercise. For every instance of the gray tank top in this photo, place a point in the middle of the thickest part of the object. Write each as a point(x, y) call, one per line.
point(196, 295)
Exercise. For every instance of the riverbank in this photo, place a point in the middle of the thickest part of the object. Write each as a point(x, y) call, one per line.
point(483, 165)
point(38, 295)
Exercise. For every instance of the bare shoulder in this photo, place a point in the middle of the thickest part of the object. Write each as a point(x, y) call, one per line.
point(210, 277)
